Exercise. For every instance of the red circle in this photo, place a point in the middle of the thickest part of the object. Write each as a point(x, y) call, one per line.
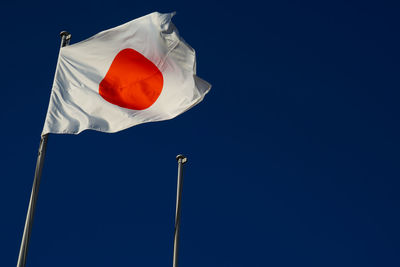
point(132, 81)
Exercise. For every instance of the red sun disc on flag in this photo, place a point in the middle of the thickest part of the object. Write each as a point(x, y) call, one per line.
point(132, 81)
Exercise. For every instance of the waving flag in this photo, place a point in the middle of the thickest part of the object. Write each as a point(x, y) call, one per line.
point(138, 72)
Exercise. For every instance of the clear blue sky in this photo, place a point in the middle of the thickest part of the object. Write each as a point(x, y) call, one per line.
point(293, 155)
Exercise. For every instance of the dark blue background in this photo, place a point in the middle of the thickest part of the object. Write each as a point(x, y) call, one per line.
point(293, 155)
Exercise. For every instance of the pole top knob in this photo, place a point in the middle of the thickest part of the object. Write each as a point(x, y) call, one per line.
point(181, 158)
point(66, 34)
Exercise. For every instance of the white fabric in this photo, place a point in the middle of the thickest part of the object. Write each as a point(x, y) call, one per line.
point(75, 104)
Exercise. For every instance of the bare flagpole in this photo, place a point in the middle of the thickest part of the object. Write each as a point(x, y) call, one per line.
point(181, 160)
point(23, 251)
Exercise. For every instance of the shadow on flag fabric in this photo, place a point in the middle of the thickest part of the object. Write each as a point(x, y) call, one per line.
point(138, 72)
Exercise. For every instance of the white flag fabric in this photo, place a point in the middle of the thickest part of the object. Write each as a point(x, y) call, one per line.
point(138, 72)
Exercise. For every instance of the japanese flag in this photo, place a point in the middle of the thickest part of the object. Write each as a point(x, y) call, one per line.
point(138, 72)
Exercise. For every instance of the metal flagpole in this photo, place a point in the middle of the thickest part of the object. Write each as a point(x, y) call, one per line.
point(23, 251)
point(181, 160)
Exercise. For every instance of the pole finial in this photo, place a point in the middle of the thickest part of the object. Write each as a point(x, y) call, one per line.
point(66, 34)
point(181, 158)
